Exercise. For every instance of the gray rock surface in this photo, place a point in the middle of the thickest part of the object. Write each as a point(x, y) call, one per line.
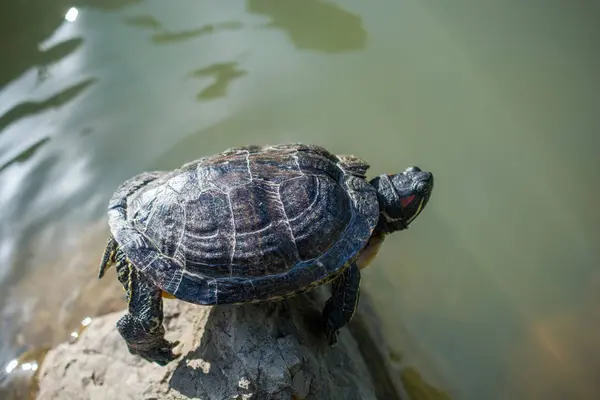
point(262, 351)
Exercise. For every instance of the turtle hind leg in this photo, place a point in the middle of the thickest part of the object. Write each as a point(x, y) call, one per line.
point(108, 258)
point(342, 304)
point(142, 327)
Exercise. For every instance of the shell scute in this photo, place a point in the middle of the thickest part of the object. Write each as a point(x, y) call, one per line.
point(263, 243)
point(208, 234)
point(317, 212)
point(226, 175)
point(354, 165)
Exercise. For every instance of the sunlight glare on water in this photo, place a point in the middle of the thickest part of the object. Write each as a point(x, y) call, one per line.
point(72, 14)
point(11, 366)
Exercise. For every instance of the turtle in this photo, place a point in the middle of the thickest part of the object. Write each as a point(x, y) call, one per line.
point(252, 224)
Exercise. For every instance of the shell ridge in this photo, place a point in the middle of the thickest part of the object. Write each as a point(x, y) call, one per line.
point(150, 215)
point(149, 263)
point(156, 248)
point(177, 277)
point(297, 161)
point(179, 248)
point(234, 234)
point(248, 165)
point(287, 223)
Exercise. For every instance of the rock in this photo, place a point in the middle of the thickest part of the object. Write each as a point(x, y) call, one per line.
point(379, 357)
point(255, 351)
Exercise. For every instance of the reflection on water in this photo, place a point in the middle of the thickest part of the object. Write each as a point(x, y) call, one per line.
point(169, 37)
point(492, 294)
point(23, 373)
point(143, 21)
point(223, 73)
point(108, 5)
point(166, 37)
point(418, 389)
point(313, 24)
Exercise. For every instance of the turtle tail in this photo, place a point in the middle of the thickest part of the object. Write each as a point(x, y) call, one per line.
point(108, 258)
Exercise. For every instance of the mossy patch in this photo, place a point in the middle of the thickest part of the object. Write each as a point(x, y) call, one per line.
point(418, 389)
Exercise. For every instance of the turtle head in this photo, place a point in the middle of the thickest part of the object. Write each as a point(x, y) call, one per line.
point(401, 197)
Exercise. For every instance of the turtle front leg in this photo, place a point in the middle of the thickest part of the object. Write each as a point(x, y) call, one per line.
point(142, 327)
point(342, 304)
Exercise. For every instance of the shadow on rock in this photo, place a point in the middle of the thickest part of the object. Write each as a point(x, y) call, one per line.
point(265, 350)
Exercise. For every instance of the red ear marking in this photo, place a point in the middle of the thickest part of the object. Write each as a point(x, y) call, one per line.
point(407, 200)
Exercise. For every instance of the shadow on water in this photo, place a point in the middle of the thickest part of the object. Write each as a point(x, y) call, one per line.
point(332, 29)
point(29, 108)
point(223, 73)
point(248, 346)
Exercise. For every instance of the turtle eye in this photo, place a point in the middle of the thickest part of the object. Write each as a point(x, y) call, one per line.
point(422, 188)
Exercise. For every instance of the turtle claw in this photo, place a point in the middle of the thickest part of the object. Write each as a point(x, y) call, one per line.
point(161, 356)
point(332, 338)
point(331, 333)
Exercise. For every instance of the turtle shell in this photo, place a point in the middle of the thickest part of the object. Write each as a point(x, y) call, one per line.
point(250, 224)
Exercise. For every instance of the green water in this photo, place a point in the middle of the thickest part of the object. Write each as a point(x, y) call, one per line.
point(492, 293)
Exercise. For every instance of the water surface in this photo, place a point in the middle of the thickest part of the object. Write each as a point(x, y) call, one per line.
point(492, 293)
